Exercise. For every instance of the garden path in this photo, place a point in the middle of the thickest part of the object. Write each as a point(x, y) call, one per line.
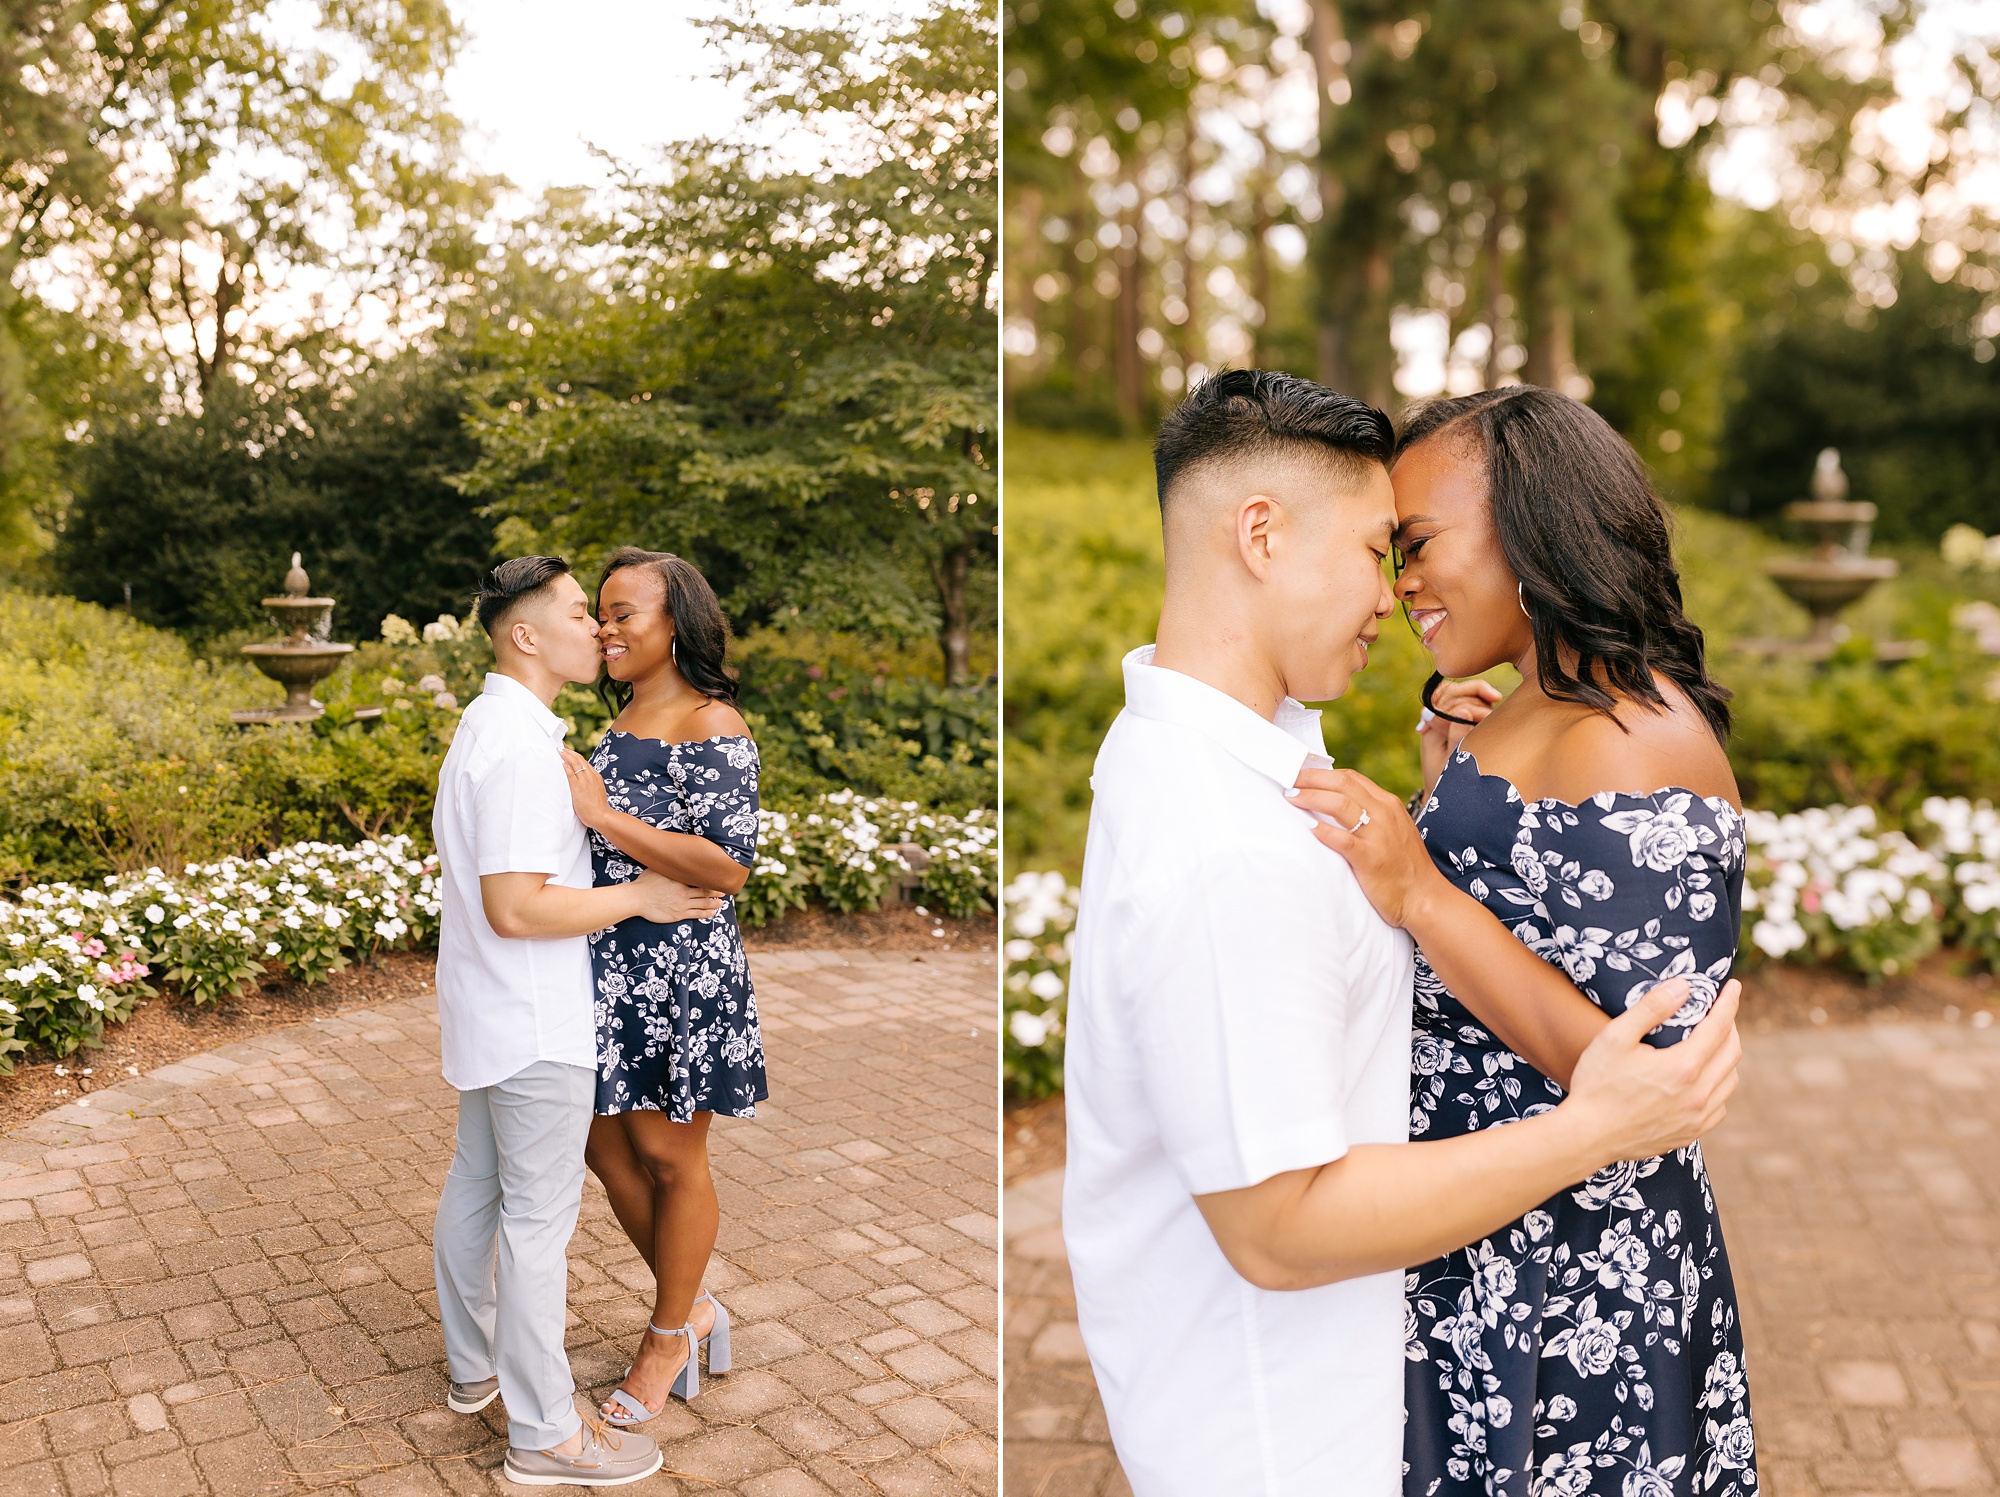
point(217, 1278)
point(1859, 1179)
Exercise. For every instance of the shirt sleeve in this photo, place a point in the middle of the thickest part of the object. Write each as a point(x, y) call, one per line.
point(522, 821)
point(724, 800)
point(1241, 1019)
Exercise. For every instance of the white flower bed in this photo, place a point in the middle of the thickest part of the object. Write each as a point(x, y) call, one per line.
point(838, 850)
point(1829, 885)
point(78, 956)
point(1825, 885)
point(1040, 925)
point(1967, 838)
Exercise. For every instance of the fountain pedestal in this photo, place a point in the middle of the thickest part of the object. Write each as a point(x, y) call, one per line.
point(1839, 571)
point(302, 658)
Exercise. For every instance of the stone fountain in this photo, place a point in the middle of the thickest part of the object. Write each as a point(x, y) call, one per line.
point(302, 658)
point(1839, 571)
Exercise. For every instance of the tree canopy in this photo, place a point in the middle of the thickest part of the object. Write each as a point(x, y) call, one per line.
point(794, 381)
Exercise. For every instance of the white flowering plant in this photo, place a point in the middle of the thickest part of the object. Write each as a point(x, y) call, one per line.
point(837, 849)
point(1966, 836)
point(779, 880)
point(1829, 884)
point(77, 957)
point(1040, 921)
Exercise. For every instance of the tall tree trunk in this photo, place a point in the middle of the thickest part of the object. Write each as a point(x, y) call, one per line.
point(1127, 366)
point(1077, 269)
point(1496, 287)
point(1260, 270)
point(1325, 39)
point(1357, 224)
point(1551, 319)
point(1187, 337)
point(1028, 259)
point(948, 572)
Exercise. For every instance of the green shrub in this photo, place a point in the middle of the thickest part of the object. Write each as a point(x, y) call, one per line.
point(821, 728)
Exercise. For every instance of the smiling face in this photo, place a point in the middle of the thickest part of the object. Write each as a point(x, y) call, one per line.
point(1325, 589)
point(1461, 593)
point(635, 632)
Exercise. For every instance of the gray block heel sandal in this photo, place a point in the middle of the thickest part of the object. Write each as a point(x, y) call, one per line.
point(687, 1382)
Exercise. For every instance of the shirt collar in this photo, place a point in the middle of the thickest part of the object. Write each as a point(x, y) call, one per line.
point(506, 688)
point(1277, 748)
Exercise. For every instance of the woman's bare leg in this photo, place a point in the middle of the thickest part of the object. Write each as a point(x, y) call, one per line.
point(685, 1217)
point(619, 1170)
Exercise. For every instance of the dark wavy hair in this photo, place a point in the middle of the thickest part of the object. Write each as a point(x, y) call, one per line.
point(1581, 526)
point(701, 632)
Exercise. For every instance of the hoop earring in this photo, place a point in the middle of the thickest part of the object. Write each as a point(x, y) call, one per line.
point(673, 653)
point(1520, 596)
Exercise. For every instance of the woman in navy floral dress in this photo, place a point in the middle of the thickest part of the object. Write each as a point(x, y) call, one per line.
point(672, 787)
point(1593, 1345)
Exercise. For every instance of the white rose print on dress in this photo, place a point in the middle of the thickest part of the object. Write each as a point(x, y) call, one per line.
point(676, 1018)
point(1575, 1316)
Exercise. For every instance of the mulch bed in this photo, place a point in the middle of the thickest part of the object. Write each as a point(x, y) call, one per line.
point(168, 1028)
point(897, 928)
point(1944, 988)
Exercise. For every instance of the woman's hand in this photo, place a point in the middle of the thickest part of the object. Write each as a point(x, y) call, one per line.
point(587, 795)
point(1386, 853)
point(666, 901)
point(1438, 738)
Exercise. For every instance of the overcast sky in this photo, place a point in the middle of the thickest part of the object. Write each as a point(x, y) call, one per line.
point(540, 84)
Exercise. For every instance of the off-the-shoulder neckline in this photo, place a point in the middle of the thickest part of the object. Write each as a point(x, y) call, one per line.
point(1713, 802)
point(679, 742)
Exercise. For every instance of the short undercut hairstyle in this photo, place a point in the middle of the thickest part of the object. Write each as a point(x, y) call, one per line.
point(1253, 413)
point(511, 584)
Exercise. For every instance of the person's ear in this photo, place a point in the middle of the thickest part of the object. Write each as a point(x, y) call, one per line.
point(521, 634)
point(1257, 521)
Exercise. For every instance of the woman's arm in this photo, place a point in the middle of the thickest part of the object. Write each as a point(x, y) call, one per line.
point(679, 855)
point(1531, 1005)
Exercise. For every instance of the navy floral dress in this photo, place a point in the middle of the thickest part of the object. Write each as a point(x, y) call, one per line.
point(1593, 1345)
point(676, 1020)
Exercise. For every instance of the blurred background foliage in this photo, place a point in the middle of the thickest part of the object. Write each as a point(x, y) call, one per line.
point(771, 353)
point(1742, 230)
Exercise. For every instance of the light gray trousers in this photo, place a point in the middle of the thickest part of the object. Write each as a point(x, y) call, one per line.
point(501, 1246)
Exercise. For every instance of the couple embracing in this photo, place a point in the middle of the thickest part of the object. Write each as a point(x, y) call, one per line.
point(594, 999)
point(1383, 1172)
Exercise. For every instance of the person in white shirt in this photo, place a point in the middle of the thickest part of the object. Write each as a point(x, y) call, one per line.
point(1241, 1194)
point(517, 1033)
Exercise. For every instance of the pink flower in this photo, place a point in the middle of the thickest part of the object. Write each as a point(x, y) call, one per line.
point(93, 947)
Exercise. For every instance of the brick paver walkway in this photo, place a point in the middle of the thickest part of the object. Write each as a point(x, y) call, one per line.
point(1859, 1180)
point(217, 1278)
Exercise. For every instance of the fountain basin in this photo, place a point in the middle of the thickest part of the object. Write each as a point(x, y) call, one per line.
point(300, 660)
point(1825, 587)
point(297, 668)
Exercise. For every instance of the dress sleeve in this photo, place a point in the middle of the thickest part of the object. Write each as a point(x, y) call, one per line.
point(722, 797)
point(1631, 890)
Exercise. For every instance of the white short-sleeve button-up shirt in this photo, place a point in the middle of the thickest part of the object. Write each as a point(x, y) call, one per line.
point(1237, 1010)
point(503, 806)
